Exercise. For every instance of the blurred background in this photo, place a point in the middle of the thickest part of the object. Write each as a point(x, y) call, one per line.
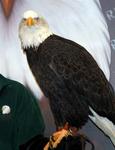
point(108, 8)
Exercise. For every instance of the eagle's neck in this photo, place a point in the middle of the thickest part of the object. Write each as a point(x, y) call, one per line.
point(33, 37)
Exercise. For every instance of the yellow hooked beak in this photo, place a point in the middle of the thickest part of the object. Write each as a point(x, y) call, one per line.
point(30, 21)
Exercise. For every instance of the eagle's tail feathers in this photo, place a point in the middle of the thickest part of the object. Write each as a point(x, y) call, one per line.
point(104, 124)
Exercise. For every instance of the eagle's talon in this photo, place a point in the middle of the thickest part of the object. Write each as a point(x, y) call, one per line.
point(63, 133)
point(56, 138)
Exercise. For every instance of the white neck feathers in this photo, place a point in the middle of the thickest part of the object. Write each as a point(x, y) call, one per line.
point(33, 36)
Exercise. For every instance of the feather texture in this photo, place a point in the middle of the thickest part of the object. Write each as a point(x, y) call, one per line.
point(72, 80)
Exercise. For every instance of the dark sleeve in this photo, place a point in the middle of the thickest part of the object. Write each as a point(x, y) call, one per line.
point(29, 121)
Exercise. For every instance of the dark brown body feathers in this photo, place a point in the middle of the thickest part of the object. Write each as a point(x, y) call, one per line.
point(71, 79)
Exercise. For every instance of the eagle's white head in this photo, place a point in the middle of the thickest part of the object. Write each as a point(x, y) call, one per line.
point(33, 29)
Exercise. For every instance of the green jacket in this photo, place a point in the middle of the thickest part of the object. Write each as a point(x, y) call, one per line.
point(24, 120)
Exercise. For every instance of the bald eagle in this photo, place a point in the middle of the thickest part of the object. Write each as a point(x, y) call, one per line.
point(77, 21)
point(69, 76)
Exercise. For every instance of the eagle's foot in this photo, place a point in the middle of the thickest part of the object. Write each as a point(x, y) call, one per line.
point(56, 138)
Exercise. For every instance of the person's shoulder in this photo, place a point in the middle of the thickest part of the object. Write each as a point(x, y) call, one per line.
point(7, 82)
point(16, 87)
point(16, 84)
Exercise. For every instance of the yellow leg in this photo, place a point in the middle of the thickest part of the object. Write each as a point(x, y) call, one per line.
point(46, 146)
point(59, 136)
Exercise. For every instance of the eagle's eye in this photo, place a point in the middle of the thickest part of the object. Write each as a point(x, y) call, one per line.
point(24, 19)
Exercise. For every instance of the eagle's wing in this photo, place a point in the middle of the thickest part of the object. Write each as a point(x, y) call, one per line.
point(82, 77)
point(58, 80)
